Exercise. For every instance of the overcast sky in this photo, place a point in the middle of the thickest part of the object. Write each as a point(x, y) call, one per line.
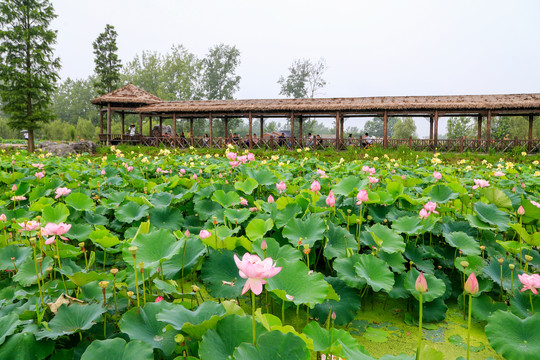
point(372, 48)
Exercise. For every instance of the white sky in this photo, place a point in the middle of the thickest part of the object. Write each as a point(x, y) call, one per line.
point(372, 48)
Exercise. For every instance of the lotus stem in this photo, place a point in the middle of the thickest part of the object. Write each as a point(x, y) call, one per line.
point(141, 265)
point(182, 271)
point(469, 326)
point(419, 329)
point(532, 306)
point(283, 312)
point(37, 275)
point(136, 282)
point(253, 315)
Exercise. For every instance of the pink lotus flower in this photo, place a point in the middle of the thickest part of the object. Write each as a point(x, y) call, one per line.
point(373, 180)
point(471, 285)
point(251, 157)
point(14, 187)
point(158, 299)
point(321, 172)
point(331, 357)
point(424, 214)
point(270, 199)
point(194, 176)
point(29, 225)
point(50, 240)
point(281, 187)
point(18, 198)
point(231, 156)
point(430, 207)
point(264, 245)
point(331, 200)
point(243, 159)
point(243, 201)
point(530, 282)
point(365, 168)
point(3, 217)
point(158, 170)
point(403, 177)
point(187, 233)
point(40, 175)
point(39, 166)
point(535, 204)
point(315, 186)
point(437, 175)
point(480, 183)
point(62, 192)
point(372, 171)
point(362, 197)
point(55, 229)
point(255, 271)
point(129, 168)
point(234, 163)
point(521, 210)
point(200, 171)
point(204, 234)
point(421, 283)
point(253, 209)
point(498, 174)
point(182, 171)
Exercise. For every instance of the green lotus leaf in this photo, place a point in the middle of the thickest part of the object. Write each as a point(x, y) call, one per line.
point(81, 278)
point(428, 352)
point(226, 199)
point(512, 337)
point(130, 212)
point(257, 228)
point(41, 204)
point(262, 176)
point(310, 230)
point(190, 252)
point(80, 202)
point(23, 346)
point(410, 225)
point(345, 269)
point(295, 279)
point(436, 287)
point(275, 251)
point(21, 254)
point(420, 258)
point(79, 232)
point(118, 349)
point(395, 188)
point(442, 194)
point(26, 274)
point(289, 212)
point(520, 304)
point(387, 239)
point(463, 242)
point(220, 273)
point(339, 240)
point(433, 311)
point(396, 261)
point(142, 324)
point(153, 248)
point(103, 237)
point(531, 211)
point(477, 223)
point(8, 325)
point(492, 215)
point(492, 270)
point(348, 185)
point(230, 332)
point(375, 272)
point(166, 217)
point(55, 214)
point(247, 186)
point(95, 219)
point(162, 199)
point(194, 323)
point(236, 216)
point(497, 197)
point(476, 263)
point(333, 340)
point(71, 319)
point(483, 306)
point(345, 309)
point(274, 345)
point(207, 208)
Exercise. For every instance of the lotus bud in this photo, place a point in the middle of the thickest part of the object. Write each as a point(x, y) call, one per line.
point(471, 285)
point(421, 283)
point(511, 266)
point(141, 266)
point(195, 288)
point(349, 211)
point(130, 294)
point(465, 264)
point(214, 220)
point(133, 250)
point(39, 260)
point(264, 245)
point(334, 315)
point(482, 247)
point(114, 271)
point(187, 233)
point(501, 260)
point(81, 244)
point(103, 284)
point(521, 210)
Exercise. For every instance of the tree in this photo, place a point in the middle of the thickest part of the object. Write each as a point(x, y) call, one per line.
point(28, 68)
point(72, 98)
point(375, 127)
point(304, 80)
point(108, 64)
point(404, 128)
point(219, 80)
point(458, 127)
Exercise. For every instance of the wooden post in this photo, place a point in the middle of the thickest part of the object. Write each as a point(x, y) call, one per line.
point(140, 124)
point(529, 145)
point(210, 130)
point(410, 142)
point(109, 115)
point(150, 126)
point(123, 124)
point(385, 129)
point(341, 126)
point(479, 134)
point(488, 129)
point(226, 128)
point(191, 130)
point(338, 117)
point(101, 120)
point(292, 131)
point(435, 129)
point(300, 130)
point(174, 124)
point(160, 126)
point(461, 144)
point(250, 131)
point(431, 128)
point(262, 128)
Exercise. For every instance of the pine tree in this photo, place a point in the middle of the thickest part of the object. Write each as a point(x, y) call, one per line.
point(108, 64)
point(28, 68)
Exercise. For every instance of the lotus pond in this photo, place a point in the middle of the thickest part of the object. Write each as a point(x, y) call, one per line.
point(188, 255)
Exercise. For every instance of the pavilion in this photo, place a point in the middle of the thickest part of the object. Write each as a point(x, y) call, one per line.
point(133, 100)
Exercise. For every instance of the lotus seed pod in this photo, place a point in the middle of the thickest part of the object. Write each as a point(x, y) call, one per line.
point(528, 258)
point(482, 247)
point(501, 260)
point(81, 245)
point(511, 266)
point(141, 266)
point(195, 288)
point(103, 284)
point(114, 271)
point(133, 250)
point(130, 294)
point(465, 264)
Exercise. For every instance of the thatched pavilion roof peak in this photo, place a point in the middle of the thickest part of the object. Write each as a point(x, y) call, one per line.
point(129, 94)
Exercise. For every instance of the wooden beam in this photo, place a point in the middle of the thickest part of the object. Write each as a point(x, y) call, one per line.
point(210, 130)
point(338, 120)
point(250, 131)
point(488, 129)
point(174, 124)
point(385, 129)
point(292, 131)
point(531, 120)
point(435, 129)
point(191, 130)
point(109, 116)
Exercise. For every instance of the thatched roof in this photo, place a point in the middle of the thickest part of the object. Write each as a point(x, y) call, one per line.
point(363, 104)
point(129, 94)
